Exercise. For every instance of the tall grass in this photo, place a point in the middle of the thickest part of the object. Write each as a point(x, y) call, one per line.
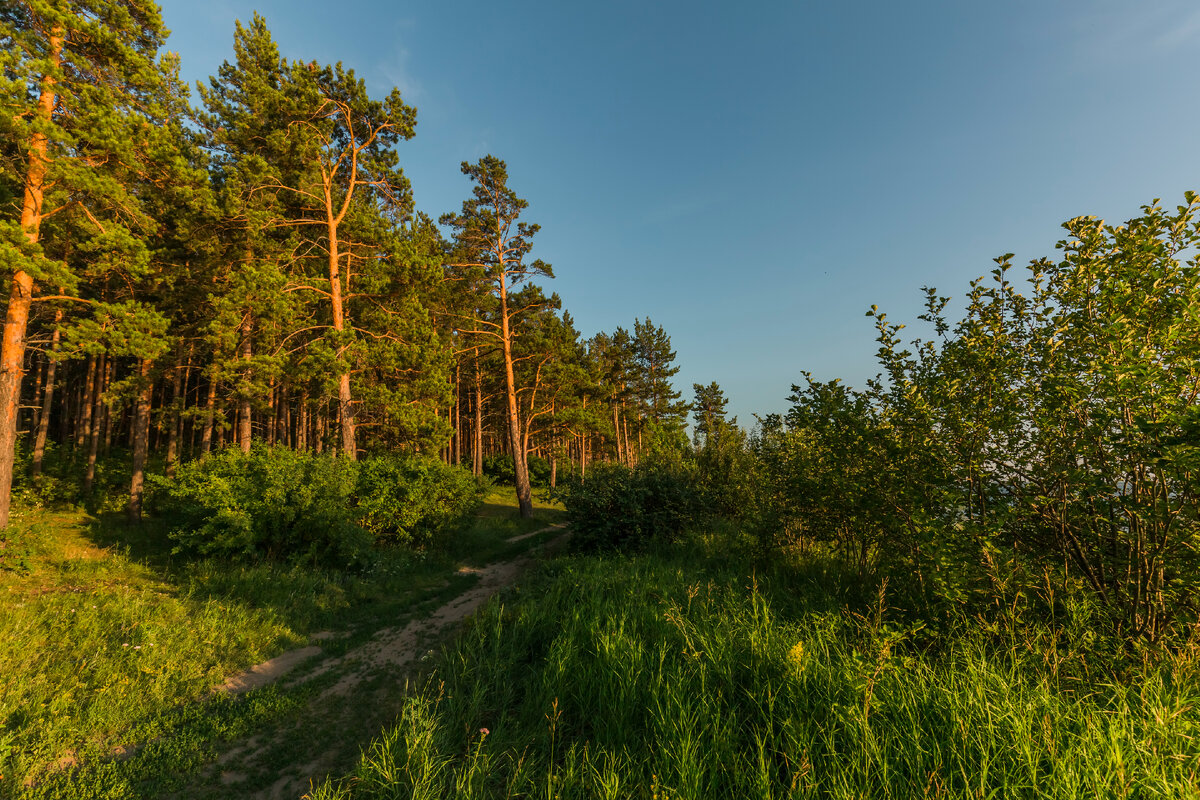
point(653, 677)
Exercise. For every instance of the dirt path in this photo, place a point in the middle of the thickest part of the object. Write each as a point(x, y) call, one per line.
point(368, 676)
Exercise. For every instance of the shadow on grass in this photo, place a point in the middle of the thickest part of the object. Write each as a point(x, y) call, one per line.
point(146, 541)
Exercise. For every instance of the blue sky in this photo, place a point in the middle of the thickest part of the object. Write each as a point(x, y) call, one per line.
point(753, 177)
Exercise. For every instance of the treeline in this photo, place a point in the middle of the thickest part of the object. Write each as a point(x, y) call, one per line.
point(255, 269)
point(1040, 456)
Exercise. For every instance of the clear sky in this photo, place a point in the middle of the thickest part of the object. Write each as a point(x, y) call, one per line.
point(754, 176)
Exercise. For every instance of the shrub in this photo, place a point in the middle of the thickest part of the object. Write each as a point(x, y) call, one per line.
point(413, 500)
point(618, 508)
point(270, 502)
point(281, 504)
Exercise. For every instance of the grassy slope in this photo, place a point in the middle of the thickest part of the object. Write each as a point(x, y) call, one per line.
point(106, 644)
point(678, 676)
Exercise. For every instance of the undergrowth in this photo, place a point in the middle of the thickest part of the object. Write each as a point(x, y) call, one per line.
point(672, 675)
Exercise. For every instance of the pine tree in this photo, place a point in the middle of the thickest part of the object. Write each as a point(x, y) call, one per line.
point(708, 410)
point(656, 362)
point(491, 238)
point(84, 98)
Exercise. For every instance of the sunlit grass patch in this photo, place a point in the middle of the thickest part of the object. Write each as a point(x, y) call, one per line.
point(109, 644)
point(659, 677)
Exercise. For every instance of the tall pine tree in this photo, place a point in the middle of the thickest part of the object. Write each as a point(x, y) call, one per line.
point(83, 99)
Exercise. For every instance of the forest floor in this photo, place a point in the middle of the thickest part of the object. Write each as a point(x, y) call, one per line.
point(128, 674)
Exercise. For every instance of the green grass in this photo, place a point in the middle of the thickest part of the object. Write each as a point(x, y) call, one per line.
point(109, 647)
point(676, 676)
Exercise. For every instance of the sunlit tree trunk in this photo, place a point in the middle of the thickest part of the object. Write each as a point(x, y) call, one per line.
point(345, 408)
point(457, 414)
point(84, 424)
point(109, 422)
point(174, 416)
point(302, 422)
point(477, 456)
point(210, 417)
point(16, 321)
point(521, 476)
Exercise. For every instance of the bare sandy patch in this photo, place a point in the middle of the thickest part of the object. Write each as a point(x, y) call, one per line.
point(267, 672)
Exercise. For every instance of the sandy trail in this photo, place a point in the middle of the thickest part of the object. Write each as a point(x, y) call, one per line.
point(390, 649)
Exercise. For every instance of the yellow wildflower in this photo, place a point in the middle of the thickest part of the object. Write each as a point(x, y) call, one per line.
point(796, 656)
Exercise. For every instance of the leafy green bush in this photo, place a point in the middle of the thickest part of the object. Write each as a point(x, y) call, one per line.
point(618, 508)
point(413, 500)
point(277, 503)
point(271, 502)
point(1048, 437)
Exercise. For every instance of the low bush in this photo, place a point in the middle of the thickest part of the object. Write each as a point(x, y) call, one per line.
point(499, 468)
point(615, 508)
point(277, 503)
point(414, 501)
point(271, 502)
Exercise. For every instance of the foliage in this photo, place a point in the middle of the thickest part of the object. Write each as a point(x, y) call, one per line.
point(272, 503)
point(1049, 435)
point(726, 472)
point(618, 508)
point(413, 500)
point(499, 467)
point(278, 503)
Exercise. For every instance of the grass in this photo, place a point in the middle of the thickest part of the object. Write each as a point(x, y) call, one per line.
point(109, 647)
point(683, 676)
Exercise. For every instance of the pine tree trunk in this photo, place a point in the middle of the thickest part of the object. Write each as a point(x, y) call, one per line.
point(628, 449)
point(617, 432)
point(186, 429)
point(302, 423)
point(520, 469)
point(108, 415)
point(245, 423)
point(39, 383)
point(284, 420)
point(345, 409)
point(269, 420)
point(16, 320)
point(83, 425)
point(89, 477)
point(141, 440)
point(174, 416)
point(477, 441)
point(210, 417)
point(43, 428)
point(457, 413)
point(64, 419)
